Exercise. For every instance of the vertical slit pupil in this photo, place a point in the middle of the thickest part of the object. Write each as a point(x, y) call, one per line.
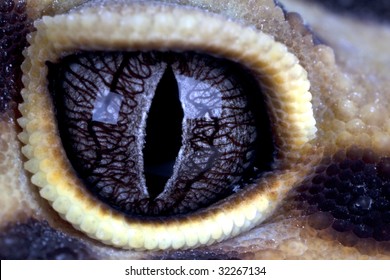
point(163, 134)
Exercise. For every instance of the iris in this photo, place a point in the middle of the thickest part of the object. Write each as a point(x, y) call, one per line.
point(160, 133)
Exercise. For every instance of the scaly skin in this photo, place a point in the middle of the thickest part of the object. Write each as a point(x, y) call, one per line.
point(350, 101)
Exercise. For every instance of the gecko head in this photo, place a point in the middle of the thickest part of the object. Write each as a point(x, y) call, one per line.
point(183, 130)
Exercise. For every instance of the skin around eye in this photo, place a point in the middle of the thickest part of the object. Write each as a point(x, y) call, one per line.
point(280, 75)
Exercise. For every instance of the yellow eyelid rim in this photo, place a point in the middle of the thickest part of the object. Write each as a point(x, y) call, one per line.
point(133, 27)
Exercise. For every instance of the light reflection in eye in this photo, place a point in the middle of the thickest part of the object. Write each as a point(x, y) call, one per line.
point(106, 107)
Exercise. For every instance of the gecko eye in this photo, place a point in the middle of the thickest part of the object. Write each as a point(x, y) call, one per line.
point(160, 133)
point(143, 134)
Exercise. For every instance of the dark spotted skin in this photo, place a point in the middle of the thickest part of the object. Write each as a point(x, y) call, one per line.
point(14, 26)
point(36, 240)
point(375, 10)
point(354, 187)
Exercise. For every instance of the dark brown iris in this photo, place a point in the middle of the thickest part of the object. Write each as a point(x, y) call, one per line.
point(160, 133)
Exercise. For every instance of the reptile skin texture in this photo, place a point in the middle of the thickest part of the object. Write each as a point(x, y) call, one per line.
point(322, 75)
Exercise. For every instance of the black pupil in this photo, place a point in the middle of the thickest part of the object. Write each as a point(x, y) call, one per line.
point(160, 133)
point(163, 134)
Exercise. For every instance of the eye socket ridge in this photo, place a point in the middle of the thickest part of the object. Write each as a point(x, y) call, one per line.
point(162, 28)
